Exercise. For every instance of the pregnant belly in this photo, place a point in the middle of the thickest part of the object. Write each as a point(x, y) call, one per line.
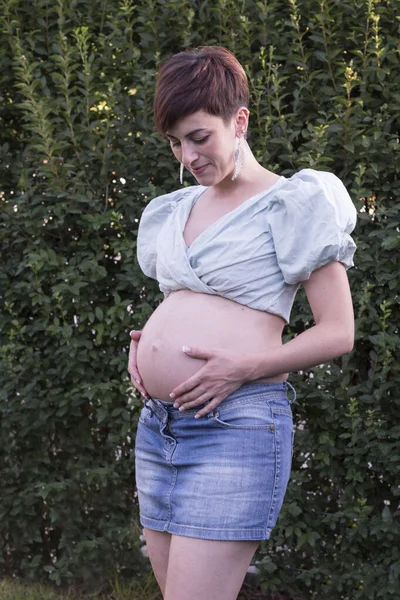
point(188, 318)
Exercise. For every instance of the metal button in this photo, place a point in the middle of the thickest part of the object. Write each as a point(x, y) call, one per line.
point(272, 427)
point(216, 413)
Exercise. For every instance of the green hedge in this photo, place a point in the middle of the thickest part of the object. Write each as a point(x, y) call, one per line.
point(78, 163)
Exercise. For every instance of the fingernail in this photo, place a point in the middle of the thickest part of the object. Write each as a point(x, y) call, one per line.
point(197, 416)
point(172, 395)
point(181, 408)
point(176, 405)
point(138, 381)
point(185, 348)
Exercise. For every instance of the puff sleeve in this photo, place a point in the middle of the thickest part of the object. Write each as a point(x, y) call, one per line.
point(311, 219)
point(151, 222)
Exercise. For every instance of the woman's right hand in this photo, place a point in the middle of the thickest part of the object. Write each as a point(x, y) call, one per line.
point(132, 365)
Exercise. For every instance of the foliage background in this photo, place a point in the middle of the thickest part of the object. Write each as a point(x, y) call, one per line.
point(78, 163)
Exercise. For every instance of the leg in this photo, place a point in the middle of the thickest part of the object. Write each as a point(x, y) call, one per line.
point(158, 543)
point(207, 569)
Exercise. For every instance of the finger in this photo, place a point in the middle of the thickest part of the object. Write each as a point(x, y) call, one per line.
point(140, 388)
point(132, 364)
point(142, 392)
point(133, 372)
point(133, 349)
point(187, 386)
point(135, 335)
point(211, 406)
point(133, 346)
point(188, 399)
point(202, 399)
point(196, 352)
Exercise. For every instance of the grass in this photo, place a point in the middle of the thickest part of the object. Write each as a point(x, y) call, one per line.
point(143, 590)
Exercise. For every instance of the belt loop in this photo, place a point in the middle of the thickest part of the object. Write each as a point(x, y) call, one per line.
point(146, 402)
point(157, 408)
point(294, 392)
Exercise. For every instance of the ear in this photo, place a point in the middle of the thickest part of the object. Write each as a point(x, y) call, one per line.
point(242, 120)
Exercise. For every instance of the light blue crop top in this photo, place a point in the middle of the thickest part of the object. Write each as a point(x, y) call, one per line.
point(258, 253)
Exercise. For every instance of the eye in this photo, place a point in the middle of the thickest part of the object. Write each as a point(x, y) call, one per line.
point(199, 141)
point(202, 140)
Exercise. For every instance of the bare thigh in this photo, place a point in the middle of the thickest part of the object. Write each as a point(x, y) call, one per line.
point(158, 543)
point(207, 569)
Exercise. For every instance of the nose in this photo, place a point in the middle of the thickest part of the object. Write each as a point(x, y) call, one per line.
point(189, 154)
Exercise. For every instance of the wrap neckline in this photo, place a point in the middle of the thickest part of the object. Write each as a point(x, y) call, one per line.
point(208, 231)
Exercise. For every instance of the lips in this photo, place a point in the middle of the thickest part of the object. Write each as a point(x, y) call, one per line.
point(199, 170)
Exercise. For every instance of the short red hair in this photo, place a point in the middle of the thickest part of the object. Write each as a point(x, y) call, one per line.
point(208, 78)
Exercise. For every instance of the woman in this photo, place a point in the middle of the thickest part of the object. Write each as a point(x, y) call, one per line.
point(214, 440)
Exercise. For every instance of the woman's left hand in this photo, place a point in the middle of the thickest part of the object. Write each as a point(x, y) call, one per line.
point(223, 373)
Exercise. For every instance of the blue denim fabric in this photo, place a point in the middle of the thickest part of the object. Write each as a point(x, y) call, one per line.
point(222, 476)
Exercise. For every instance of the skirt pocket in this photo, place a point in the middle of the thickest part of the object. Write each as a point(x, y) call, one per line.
point(252, 414)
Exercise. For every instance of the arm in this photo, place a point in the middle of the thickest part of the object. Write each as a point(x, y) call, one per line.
point(328, 293)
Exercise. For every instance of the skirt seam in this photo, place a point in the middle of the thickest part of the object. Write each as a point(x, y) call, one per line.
point(176, 528)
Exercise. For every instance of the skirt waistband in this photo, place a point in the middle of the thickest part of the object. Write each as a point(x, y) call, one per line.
point(165, 410)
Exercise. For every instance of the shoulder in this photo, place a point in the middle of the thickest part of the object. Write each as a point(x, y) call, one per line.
point(311, 218)
point(153, 219)
point(313, 177)
point(164, 204)
point(309, 183)
point(318, 192)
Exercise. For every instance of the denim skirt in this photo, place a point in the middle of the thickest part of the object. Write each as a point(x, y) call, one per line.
point(219, 477)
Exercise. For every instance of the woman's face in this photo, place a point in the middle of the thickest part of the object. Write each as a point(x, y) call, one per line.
point(205, 145)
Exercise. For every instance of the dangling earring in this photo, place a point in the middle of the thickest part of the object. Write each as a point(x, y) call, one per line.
point(181, 174)
point(238, 159)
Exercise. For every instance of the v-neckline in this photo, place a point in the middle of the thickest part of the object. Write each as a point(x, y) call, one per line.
point(196, 197)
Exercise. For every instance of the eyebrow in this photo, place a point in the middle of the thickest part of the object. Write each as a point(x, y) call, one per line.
point(187, 135)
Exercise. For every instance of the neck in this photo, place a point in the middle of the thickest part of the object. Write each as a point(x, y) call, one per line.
point(251, 175)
